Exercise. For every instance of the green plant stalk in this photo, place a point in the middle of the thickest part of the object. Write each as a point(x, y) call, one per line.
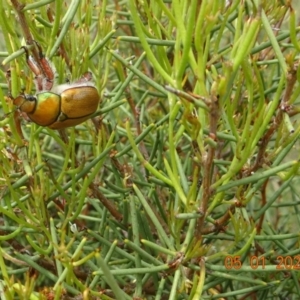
point(61, 279)
point(146, 164)
point(243, 269)
point(106, 260)
point(156, 42)
point(239, 20)
point(199, 288)
point(65, 238)
point(96, 48)
point(291, 173)
point(274, 43)
point(239, 277)
point(174, 289)
point(161, 289)
point(188, 216)
point(144, 254)
point(229, 116)
point(65, 165)
point(200, 87)
point(128, 79)
point(7, 29)
point(182, 171)
point(190, 235)
point(37, 4)
point(19, 221)
point(136, 239)
point(110, 252)
point(295, 281)
point(39, 199)
point(184, 38)
point(212, 18)
point(29, 289)
point(30, 217)
point(106, 246)
point(261, 91)
point(221, 28)
point(84, 171)
point(140, 138)
point(121, 252)
point(109, 278)
point(37, 248)
point(287, 253)
point(193, 190)
point(89, 179)
point(146, 47)
point(22, 290)
point(104, 9)
point(172, 150)
point(283, 151)
point(162, 234)
point(28, 260)
point(6, 280)
point(288, 123)
point(103, 219)
point(273, 198)
point(230, 237)
point(166, 11)
point(79, 284)
point(259, 175)
point(43, 22)
point(54, 241)
point(246, 291)
point(158, 30)
point(78, 250)
point(66, 22)
point(155, 147)
point(139, 73)
point(73, 199)
point(201, 102)
point(247, 244)
point(243, 146)
point(175, 183)
point(11, 235)
point(280, 287)
point(268, 230)
point(236, 163)
point(59, 292)
point(132, 271)
point(84, 259)
point(59, 189)
point(243, 47)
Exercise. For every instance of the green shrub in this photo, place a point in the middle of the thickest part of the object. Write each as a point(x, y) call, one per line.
point(184, 186)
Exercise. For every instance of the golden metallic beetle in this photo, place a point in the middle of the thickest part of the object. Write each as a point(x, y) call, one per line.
point(63, 106)
point(60, 106)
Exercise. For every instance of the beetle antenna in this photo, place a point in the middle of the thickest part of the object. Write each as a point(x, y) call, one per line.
point(11, 112)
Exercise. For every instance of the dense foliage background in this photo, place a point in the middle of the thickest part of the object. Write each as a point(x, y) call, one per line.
point(185, 185)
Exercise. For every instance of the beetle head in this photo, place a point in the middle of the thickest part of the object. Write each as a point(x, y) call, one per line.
point(26, 103)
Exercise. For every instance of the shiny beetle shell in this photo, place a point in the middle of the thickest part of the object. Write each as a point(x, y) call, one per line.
point(65, 106)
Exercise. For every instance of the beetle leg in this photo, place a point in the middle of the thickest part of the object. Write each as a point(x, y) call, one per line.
point(85, 78)
point(17, 122)
point(44, 75)
point(16, 112)
point(64, 136)
point(46, 68)
point(35, 69)
point(62, 117)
